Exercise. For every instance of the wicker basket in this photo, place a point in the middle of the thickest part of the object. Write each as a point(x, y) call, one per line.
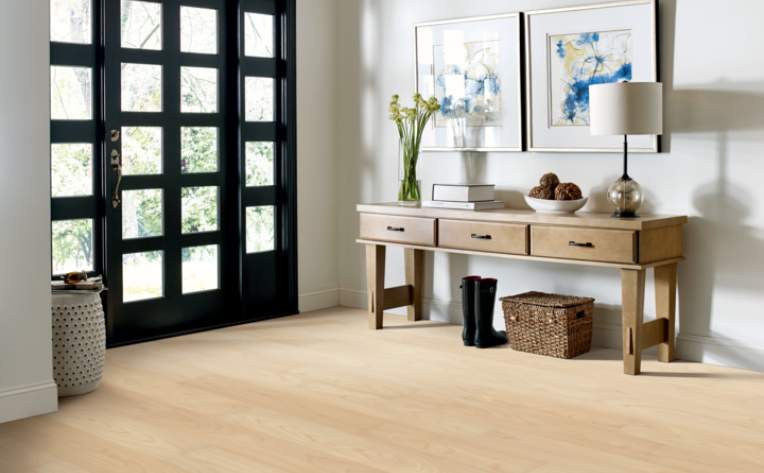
point(549, 324)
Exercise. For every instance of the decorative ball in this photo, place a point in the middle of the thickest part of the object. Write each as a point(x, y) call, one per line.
point(549, 180)
point(567, 191)
point(540, 192)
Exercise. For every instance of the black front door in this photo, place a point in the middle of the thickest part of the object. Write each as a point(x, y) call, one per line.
point(197, 145)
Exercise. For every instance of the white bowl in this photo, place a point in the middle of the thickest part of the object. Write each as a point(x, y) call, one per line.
point(555, 206)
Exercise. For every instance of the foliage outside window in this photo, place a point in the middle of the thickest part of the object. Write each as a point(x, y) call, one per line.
point(72, 245)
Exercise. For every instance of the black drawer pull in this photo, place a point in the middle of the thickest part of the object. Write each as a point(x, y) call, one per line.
point(588, 244)
point(395, 229)
point(476, 236)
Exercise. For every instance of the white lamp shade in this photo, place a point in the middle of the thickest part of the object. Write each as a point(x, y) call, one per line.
point(626, 108)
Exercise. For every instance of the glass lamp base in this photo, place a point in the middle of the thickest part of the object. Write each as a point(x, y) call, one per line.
point(617, 214)
point(626, 196)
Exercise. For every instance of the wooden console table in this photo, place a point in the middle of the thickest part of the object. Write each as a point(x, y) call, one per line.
point(629, 245)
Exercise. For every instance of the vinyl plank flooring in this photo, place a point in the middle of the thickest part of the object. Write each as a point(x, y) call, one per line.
point(320, 392)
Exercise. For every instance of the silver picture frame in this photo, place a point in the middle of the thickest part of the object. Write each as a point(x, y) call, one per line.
point(530, 106)
point(518, 16)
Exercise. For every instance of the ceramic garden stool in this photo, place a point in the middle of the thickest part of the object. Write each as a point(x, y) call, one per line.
point(79, 341)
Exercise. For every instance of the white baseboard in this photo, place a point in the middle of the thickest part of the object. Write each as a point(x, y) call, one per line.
point(28, 401)
point(318, 300)
point(353, 298)
point(715, 350)
point(720, 351)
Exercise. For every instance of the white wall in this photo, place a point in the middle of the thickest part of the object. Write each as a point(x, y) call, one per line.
point(26, 378)
point(316, 155)
point(712, 168)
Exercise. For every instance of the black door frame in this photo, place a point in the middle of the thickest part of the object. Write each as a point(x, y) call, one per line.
point(283, 195)
point(83, 131)
point(238, 300)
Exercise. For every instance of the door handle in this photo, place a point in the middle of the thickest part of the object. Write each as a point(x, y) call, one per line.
point(588, 244)
point(116, 166)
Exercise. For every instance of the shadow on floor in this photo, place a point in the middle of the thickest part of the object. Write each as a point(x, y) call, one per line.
point(421, 324)
point(668, 374)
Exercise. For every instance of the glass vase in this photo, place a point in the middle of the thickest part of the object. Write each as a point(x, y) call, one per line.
point(409, 192)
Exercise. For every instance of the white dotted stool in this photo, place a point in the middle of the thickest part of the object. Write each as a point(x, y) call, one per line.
point(79, 341)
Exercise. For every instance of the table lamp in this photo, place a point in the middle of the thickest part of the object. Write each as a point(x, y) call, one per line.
point(626, 108)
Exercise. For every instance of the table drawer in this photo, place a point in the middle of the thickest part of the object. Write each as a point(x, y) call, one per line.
point(413, 230)
point(482, 236)
point(612, 246)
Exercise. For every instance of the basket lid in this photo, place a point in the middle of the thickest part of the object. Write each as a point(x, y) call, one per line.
point(548, 300)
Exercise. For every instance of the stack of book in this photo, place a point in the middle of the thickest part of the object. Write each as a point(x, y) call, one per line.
point(464, 196)
point(94, 284)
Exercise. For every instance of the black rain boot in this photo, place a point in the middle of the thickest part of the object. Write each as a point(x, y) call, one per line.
point(485, 297)
point(468, 287)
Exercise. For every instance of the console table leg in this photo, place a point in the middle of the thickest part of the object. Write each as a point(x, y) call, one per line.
point(633, 300)
point(665, 307)
point(415, 279)
point(375, 281)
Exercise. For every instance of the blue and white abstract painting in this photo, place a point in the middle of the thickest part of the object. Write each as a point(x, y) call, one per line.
point(467, 83)
point(578, 61)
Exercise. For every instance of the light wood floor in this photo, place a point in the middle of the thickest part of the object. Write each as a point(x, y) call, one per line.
point(319, 392)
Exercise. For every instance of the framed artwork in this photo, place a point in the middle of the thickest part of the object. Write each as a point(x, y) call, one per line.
point(569, 49)
point(473, 66)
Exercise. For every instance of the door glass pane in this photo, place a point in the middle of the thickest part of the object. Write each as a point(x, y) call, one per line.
point(142, 276)
point(260, 229)
point(142, 213)
point(71, 169)
point(200, 268)
point(199, 89)
point(259, 163)
point(198, 149)
point(141, 88)
point(141, 25)
point(258, 35)
point(72, 245)
point(199, 209)
point(71, 92)
point(142, 150)
point(70, 21)
point(198, 30)
point(258, 99)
